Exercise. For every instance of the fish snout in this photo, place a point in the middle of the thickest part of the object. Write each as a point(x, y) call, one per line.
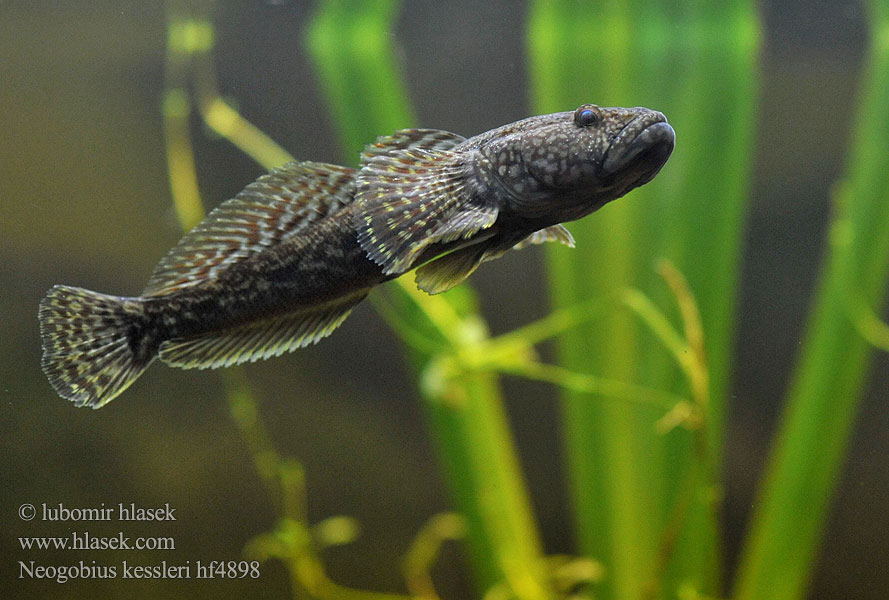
point(640, 149)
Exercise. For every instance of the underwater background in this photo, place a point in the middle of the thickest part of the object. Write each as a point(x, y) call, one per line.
point(87, 122)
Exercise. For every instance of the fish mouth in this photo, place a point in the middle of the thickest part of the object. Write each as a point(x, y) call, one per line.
point(639, 151)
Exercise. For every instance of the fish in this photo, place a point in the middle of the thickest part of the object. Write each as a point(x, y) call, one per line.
point(283, 263)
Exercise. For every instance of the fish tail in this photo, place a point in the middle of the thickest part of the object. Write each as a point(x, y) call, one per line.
point(93, 344)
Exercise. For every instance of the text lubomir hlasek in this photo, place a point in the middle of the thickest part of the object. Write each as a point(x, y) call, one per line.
point(119, 512)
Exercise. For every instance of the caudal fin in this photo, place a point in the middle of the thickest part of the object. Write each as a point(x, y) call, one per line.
point(87, 348)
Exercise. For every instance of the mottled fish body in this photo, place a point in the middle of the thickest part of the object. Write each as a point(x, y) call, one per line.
point(282, 264)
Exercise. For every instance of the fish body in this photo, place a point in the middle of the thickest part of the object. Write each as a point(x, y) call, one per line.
point(282, 264)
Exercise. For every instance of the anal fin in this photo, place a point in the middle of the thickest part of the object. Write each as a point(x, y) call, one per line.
point(260, 339)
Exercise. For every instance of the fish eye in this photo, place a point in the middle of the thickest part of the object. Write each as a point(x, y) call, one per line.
point(586, 115)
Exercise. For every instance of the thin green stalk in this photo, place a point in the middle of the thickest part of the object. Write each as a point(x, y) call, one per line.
point(189, 64)
point(350, 43)
point(420, 558)
point(803, 470)
point(189, 36)
point(871, 328)
point(605, 389)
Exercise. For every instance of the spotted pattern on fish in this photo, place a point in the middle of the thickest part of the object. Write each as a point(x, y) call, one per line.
point(282, 264)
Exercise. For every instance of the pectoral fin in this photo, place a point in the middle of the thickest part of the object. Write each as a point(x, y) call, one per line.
point(410, 198)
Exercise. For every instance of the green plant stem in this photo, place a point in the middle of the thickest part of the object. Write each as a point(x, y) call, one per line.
point(696, 62)
point(188, 36)
point(803, 469)
point(189, 46)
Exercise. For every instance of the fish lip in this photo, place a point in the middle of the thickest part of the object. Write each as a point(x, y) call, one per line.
point(648, 138)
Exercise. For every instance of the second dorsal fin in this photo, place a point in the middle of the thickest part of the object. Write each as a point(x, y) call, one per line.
point(277, 205)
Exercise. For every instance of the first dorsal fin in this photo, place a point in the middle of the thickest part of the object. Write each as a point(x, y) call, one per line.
point(429, 139)
point(275, 206)
point(260, 339)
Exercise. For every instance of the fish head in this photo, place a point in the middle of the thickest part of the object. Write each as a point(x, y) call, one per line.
point(563, 166)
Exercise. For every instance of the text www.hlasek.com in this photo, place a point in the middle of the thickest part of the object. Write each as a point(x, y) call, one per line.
point(85, 541)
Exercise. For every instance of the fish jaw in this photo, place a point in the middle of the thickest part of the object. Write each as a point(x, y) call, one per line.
point(638, 152)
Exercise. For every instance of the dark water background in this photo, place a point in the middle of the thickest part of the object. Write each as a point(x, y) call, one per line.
point(85, 201)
